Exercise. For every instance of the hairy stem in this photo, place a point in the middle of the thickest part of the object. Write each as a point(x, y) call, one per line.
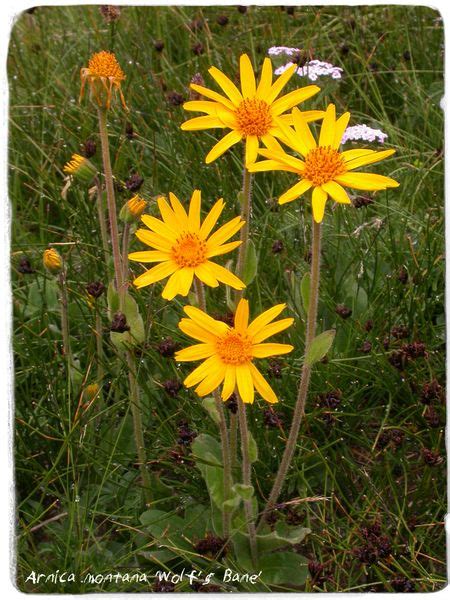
point(247, 479)
point(305, 375)
point(225, 445)
point(102, 220)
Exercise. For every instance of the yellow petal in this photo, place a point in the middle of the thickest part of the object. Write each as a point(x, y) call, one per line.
point(173, 286)
point(233, 137)
point(196, 352)
point(265, 318)
point(229, 383)
point(227, 85)
point(287, 159)
point(251, 149)
point(244, 382)
point(211, 363)
point(159, 227)
point(293, 98)
point(368, 159)
point(349, 155)
point(211, 219)
point(154, 240)
point(185, 278)
point(213, 95)
point(265, 83)
point(224, 249)
point(337, 192)
point(195, 331)
point(168, 215)
point(279, 84)
point(319, 198)
point(179, 211)
point(304, 135)
point(272, 329)
point(366, 181)
point(241, 316)
point(270, 349)
point(225, 276)
point(155, 274)
point(205, 321)
point(271, 143)
point(201, 106)
point(262, 386)
point(270, 165)
point(194, 211)
point(225, 232)
point(340, 127)
point(211, 382)
point(327, 130)
point(295, 191)
point(203, 272)
point(149, 256)
point(200, 123)
point(248, 84)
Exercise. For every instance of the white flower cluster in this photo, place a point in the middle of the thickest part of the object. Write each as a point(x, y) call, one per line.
point(363, 132)
point(277, 50)
point(313, 69)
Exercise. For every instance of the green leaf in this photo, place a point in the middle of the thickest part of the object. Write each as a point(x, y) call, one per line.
point(209, 404)
point(208, 459)
point(136, 334)
point(319, 347)
point(252, 448)
point(250, 264)
point(244, 491)
point(282, 537)
point(305, 287)
point(283, 568)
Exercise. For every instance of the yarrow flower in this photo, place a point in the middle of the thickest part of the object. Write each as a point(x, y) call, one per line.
point(278, 50)
point(253, 113)
point(52, 261)
point(363, 132)
point(104, 76)
point(313, 70)
point(324, 168)
point(230, 351)
point(81, 168)
point(184, 246)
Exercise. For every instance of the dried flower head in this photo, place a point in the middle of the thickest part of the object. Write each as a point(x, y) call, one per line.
point(52, 261)
point(104, 76)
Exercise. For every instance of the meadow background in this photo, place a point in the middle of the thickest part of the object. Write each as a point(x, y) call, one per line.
point(371, 455)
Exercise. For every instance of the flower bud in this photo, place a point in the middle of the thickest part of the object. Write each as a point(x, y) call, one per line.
point(52, 261)
point(81, 168)
point(132, 210)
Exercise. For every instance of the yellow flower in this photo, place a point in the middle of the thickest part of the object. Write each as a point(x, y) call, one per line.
point(52, 260)
point(132, 210)
point(81, 168)
point(229, 351)
point(104, 76)
point(324, 168)
point(184, 246)
point(253, 113)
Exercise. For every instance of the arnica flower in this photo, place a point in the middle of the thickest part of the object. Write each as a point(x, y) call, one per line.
point(324, 168)
point(104, 77)
point(132, 210)
point(253, 113)
point(52, 261)
point(81, 168)
point(184, 246)
point(230, 351)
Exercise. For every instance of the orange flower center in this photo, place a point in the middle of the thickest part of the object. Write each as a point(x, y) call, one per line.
point(234, 348)
point(253, 117)
point(104, 64)
point(323, 164)
point(189, 250)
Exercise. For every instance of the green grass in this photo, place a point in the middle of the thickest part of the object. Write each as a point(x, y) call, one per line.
point(86, 475)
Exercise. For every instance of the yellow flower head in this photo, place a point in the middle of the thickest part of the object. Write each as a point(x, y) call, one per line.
point(52, 260)
point(253, 113)
point(324, 168)
point(132, 210)
point(184, 246)
point(104, 76)
point(230, 351)
point(81, 168)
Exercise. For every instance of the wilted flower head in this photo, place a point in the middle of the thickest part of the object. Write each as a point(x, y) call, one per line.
point(104, 76)
point(363, 132)
point(52, 260)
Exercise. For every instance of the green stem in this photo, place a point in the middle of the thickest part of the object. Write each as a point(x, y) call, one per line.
point(110, 197)
point(102, 221)
point(299, 409)
point(125, 245)
point(65, 319)
point(136, 411)
point(225, 445)
point(247, 479)
point(246, 208)
point(99, 345)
